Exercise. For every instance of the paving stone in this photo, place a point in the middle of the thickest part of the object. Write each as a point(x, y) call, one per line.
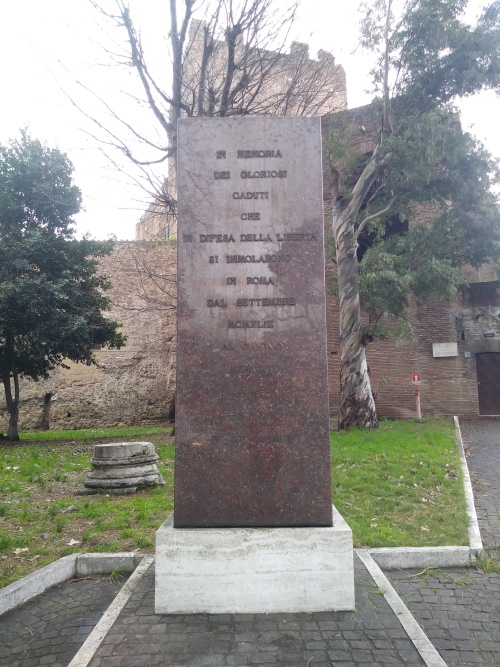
point(263, 659)
point(325, 638)
point(237, 660)
point(337, 655)
point(59, 632)
point(473, 603)
point(481, 440)
point(372, 635)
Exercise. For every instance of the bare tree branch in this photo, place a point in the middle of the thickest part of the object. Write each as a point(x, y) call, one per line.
point(373, 216)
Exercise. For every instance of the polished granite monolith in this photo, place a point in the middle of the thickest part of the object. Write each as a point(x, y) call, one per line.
point(252, 418)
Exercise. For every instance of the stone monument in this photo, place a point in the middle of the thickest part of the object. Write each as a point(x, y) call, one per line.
point(253, 527)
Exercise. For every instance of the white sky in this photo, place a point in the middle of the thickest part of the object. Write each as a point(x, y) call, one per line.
point(46, 46)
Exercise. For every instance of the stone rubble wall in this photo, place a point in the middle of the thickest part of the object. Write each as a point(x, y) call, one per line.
point(134, 384)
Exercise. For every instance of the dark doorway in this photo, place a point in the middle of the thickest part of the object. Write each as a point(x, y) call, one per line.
point(488, 382)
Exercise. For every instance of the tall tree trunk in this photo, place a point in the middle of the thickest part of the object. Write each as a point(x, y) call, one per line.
point(12, 402)
point(357, 407)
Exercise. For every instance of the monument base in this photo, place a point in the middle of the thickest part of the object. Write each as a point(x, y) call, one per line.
point(254, 570)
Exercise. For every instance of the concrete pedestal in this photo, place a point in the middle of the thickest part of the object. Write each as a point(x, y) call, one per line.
point(254, 570)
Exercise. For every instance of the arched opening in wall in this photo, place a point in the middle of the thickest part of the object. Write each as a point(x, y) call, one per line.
point(488, 382)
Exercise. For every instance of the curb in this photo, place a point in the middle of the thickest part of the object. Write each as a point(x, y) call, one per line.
point(65, 568)
point(87, 564)
point(402, 558)
point(37, 582)
point(475, 540)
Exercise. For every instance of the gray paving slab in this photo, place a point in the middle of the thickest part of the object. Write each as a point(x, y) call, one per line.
point(482, 444)
point(458, 609)
point(49, 629)
point(371, 635)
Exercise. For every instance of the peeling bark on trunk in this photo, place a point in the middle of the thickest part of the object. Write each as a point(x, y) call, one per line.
point(357, 407)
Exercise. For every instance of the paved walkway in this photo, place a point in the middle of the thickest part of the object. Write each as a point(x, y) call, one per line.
point(458, 609)
point(482, 444)
point(50, 629)
point(371, 636)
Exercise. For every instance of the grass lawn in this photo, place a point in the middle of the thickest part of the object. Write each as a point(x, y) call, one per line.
point(398, 485)
point(401, 484)
point(41, 517)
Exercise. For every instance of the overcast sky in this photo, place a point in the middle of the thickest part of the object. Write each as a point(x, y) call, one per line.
point(47, 47)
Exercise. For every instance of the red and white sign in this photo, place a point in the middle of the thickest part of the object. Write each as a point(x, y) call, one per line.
point(415, 378)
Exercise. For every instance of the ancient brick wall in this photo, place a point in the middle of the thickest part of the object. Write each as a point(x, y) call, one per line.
point(449, 384)
point(131, 385)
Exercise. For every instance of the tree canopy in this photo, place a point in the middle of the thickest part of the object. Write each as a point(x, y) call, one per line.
point(415, 165)
point(51, 296)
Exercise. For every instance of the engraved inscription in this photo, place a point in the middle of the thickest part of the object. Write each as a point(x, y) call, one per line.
point(216, 303)
point(217, 238)
point(257, 371)
point(260, 280)
point(280, 301)
point(250, 324)
point(296, 236)
point(253, 259)
point(262, 347)
point(250, 195)
point(258, 153)
point(264, 174)
point(255, 237)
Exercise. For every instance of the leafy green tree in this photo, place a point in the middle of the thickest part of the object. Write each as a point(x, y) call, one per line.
point(51, 298)
point(413, 158)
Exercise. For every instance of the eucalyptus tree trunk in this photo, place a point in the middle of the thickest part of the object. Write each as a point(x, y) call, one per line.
point(357, 407)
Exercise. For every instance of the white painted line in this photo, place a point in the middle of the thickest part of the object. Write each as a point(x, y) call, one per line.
point(94, 640)
point(473, 527)
point(420, 640)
